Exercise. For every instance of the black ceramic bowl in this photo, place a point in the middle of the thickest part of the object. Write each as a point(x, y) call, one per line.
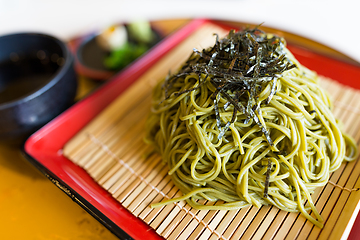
point(37, 83)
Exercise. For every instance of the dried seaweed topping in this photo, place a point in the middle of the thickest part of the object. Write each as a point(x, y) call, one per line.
point(239, 66)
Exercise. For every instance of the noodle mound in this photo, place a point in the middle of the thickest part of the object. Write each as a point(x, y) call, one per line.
point(270, 138)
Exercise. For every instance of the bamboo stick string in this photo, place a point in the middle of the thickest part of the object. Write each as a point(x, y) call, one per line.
point(140, 192)
point(117, 181)
point(129, 185)
point(344, 188)
point(221, 219)
point(164, 186)
point(138, 200)
point(129, 166)
point(138, 165)
point(187, 221)
point(214, 224)
point(111, 149)
point(166, 210)
point(133, 191)
point(201, 227)
point(200, 217)
point(104, 164)
point(172, 233)
point(168, 190)
point(205, 220)
point(174, 219)
point(143, 208)
point(112, 177)
point(130, 179)
point(183, 220)
point(349, 181)
point(193, 223)
point(156, 215)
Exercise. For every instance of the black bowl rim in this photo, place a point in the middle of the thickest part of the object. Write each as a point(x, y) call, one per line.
point(88, 38)
point(57, 75)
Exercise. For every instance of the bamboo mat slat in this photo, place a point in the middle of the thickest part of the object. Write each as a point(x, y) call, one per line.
point(111, 149)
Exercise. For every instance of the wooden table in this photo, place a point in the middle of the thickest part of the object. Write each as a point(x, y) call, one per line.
point(32, 207)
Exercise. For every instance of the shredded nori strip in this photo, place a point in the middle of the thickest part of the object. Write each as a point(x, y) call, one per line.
point(267, 179)
point(239, 66)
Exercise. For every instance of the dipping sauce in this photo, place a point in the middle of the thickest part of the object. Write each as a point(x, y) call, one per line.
point(21, 76)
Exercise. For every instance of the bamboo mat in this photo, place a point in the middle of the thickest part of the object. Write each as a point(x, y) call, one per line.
point(112, 151)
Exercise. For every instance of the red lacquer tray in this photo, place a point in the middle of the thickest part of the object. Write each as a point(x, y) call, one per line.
point(44, 148)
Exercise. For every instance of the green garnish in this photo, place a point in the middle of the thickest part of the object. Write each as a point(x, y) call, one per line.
point(123, 56)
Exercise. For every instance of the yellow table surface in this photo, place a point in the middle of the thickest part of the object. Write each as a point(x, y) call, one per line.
point(32, 207)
